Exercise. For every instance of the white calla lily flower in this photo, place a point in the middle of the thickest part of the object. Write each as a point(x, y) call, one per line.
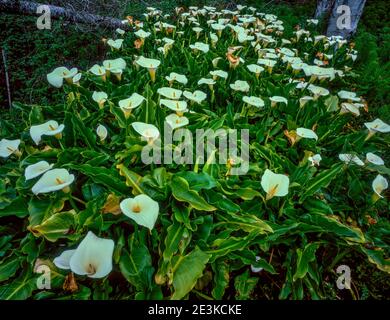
point(142, 209)
point(219, 74)
point(196, 96)
point(278, 99)
point(127, 105)
point(102, 132)
point(170, 93)
point(179, 106)
point(8, 147)
point(176, 121)
point(150, 64)
point(53, 180)
point(35, 170)
point(147, 131)
point(93, 257)
point(57, 76)
point(98, 71)
point(374, 159)
point(315, 160)
point(49, 128)
point(173, 76)
point(142, 34)
point(240, 85)
point(253, 101)
point(348, 158)
point(100, 97)
point(379, 185)
point(306, 133)
point(200, 46)
point(115, 44)
point(376, 126)
point(275, 185)
point(256, 69)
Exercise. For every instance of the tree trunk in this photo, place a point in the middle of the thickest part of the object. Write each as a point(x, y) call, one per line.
point(337, 16)
point(30, 8)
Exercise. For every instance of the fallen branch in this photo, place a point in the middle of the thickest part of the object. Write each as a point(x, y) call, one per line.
point(30, 8)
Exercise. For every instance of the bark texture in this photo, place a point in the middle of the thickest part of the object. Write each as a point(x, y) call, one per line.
point(30, 8)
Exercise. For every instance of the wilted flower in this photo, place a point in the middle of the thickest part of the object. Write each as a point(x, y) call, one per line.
point(142, 209)
point(8, 147)
point(36, 169)
point(93, 257)
point(275, 185)
point(49, 128)
point(53, 180)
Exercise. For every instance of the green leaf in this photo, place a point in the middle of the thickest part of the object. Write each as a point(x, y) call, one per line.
point(55, 227)
point(182, 192)
point(322, 180)
point(186, 271)
point(17, 207)
point(20, 289)
point(198, 181)
point(221, 279)
point(9, 268)
point(304, 257)
point(244, 285)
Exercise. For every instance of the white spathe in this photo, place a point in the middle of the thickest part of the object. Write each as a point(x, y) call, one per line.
point(36, 169)
point(93, 257)
point(53, 180)
point(8, 147)
point(379, 185)
point(49, 128)
point(275, 185)
point(142, 209)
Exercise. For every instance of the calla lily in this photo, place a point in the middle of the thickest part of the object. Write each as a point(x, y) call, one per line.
point(349, 108)
point(348, 158)
point(376, 126)
point(98, 71)
point(347, 95)
point(268, 63)
point(175, 105)
point(240, 85)
point(8, 147)
point(278, 99)
point(148, 131)
point(219, 74)
point(379, 185)
point(318, 91)
point(76, 79)
point(120, 31)
point(200, 46)
point(100, 97)
point(306, 133)
point(115, 44)
point(374, 159)
point(315, 160)
point(215, 61)
point(209, 82)
point(150, 64)
point(256, 69)
point(93, 257)
point(127, 105)
point(170, 93)
point(254, 101)
point(176, 121)
point(49, 128)
point(102, 132)
point(275, 185)
point(304, 100)
point(196, 96)
point(57, 76)
point(53, 180)
point(142, 209)
point(142, 34)
point(213, 38)
point(173, 76)
point(36, 169)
